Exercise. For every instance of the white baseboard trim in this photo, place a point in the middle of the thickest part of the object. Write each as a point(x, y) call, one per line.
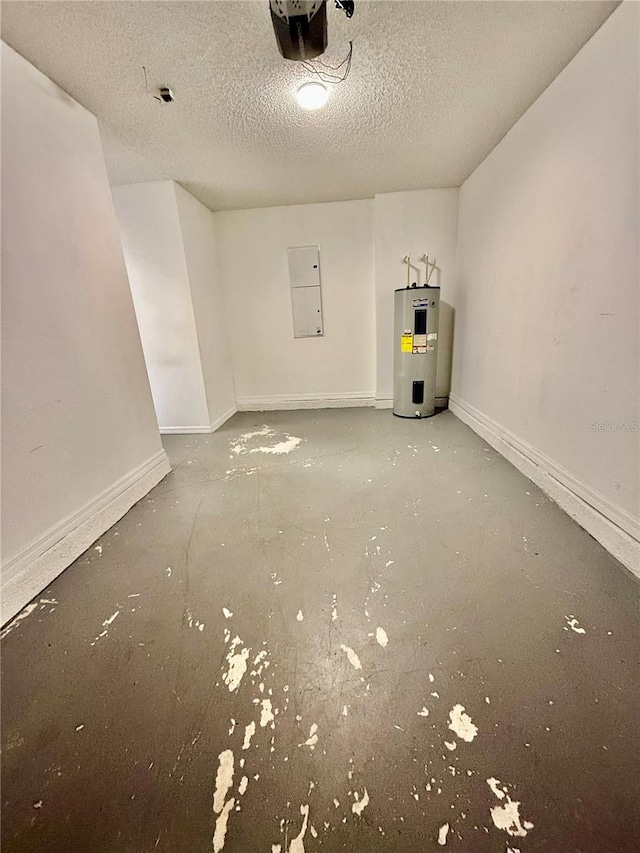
point(34, 567)
point(387, 402)
point(306, 401)
point(185, 430)
point(383, 402)
point(223, 418)
point(200, 430)
point(616, 529)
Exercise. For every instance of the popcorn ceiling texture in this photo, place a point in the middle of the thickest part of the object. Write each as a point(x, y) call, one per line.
point(433, 88)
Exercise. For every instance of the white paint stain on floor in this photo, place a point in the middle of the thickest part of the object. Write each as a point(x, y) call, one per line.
point(300, 616)
point(249, 732)
point(460, 723)
point(266, 715)
point(281, 442)
point(227, 613)
point(507, 816)
point(442, 834)
point(297, 843)
point(381, 637)
point(285, 446)
point(360, 804)
point(105, 626)
point(221, 826)
point(353, 658)
point(494, 784)
point(224, 779)
point(192, 622)
point(237, 665)
point(574, 625)
point(312, 740)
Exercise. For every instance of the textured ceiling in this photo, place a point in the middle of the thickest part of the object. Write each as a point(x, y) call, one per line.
point(433, 87)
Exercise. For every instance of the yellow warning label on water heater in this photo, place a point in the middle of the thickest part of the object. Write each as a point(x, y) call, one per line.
point(406, 343)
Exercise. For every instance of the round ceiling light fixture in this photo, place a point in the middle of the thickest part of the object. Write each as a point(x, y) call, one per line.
point(312, 96)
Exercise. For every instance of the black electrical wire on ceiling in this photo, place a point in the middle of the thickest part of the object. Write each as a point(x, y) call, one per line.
point(323, 70)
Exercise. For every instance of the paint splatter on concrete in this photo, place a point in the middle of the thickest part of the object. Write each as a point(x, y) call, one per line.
point(574, 625)
point(221, 826)
point(224, 779)
point(266, 715)
point(507, 816)
point(312, 740)
point(460, 723)
point(227, 613)
point(297, 843)
point(360, 804)
point(442, 834)
point(353, 658)
point(105, 625)
point(237, 665)
point(494, 783)
point(249, 732)
point(283, 442)
point(381, 637)
point(300, 616)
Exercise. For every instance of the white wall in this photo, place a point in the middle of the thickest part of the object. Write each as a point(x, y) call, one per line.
point(159, 278)
point(199, 242)
point(78, 427)
point(547, 322)
point(270, 366)
point(413, 223)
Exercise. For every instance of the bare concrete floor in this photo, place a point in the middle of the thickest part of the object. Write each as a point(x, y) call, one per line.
point(377, 576)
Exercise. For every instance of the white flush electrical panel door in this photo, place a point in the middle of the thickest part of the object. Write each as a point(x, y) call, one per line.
point(306, 296)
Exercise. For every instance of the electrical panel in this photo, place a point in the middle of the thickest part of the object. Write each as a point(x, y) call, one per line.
point(306, 294)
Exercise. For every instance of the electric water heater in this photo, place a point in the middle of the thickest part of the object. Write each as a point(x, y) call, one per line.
point(415, 348)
